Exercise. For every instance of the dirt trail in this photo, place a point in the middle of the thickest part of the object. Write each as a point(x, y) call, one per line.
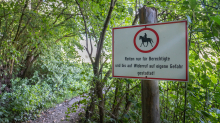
point(57, 114)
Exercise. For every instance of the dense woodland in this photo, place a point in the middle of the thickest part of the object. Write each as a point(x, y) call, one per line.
point(40, 67)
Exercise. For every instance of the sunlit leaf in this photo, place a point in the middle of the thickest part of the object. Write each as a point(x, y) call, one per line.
point(192, 3)
point(188, 18)
point(216, 18)
point(130, 11)
point(214, 80)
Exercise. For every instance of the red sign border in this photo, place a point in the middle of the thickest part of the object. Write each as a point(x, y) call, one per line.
point(147, 51)
point(166, 79)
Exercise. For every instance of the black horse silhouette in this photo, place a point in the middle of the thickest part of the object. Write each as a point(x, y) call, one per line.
point(146, 40)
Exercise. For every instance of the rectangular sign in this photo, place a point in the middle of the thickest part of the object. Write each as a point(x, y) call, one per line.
point(152, 51)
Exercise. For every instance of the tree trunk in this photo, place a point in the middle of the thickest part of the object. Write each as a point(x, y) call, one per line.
point(98, 84)
point(150, 89)
point(101, 106)
point(29, 62)
point(1, 78)
point(128, 102)
point(0, 86)
point(90, 108)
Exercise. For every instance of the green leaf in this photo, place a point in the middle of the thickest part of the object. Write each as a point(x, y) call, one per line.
point(130, 11)
point(185, 3)
point(218, 63)
point(184, 8)
point(128, 81)
point(209, 64)
point(199, 30)
point(188, 18)
point(205, 56)
point(205, 82)
point(206, 114)
point(216, 18)
point(197, 57)
point(214, 80)
point(192, 3)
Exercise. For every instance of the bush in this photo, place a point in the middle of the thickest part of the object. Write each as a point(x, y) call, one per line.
point(30, 96)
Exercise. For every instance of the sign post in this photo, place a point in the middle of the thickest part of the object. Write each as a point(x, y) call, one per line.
point(151, 51)
point(150, 88)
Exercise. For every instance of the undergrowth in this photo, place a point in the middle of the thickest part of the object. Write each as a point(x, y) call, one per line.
point(29, 97)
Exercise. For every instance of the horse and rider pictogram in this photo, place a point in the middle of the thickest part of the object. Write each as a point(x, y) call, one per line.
point(145, 39)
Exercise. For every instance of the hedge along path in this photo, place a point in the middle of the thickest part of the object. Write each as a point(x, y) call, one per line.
point(57, 114)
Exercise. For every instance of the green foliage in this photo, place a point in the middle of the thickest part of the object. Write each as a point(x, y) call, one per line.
point(199, 98)
point(54, 80)
point(27, 100)
point(29, 28)
point(216, 18)
point(56, 74)
point(192, 4)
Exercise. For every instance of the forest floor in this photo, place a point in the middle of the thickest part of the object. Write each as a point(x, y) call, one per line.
point(57, 114)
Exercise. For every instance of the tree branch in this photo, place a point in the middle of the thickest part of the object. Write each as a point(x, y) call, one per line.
point(102, 66)
point(59, 15)
point(107, 74)
point(64, 21)
point(29, 19)
point(86, 29)
point(135, 19)
point(20, 21)
point(102, 37)
point(90, 56)
point(68, 35)
point(56, 8)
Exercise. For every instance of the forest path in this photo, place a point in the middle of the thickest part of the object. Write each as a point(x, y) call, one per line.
point(57, 113)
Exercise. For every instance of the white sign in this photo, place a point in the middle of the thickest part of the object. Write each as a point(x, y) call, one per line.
point(153, 51)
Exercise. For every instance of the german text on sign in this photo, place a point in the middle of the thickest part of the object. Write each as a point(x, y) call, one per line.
point(153, 51)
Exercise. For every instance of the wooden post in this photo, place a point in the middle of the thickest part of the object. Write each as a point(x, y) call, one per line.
point(150, 88)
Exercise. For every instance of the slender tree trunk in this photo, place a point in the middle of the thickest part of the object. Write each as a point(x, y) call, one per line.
point(96, 64)
point(1, 77)
point(184, 115)
point(128, 102)
point(0, 86)
point(167, 102)
point(29, 62)
point(174, 116)
point(101, 101)
point(90, 108)
point(115, 99)
point(150, 88)
point(99, 86)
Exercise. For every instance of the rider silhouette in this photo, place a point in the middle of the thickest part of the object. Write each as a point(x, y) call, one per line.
point(145, 35)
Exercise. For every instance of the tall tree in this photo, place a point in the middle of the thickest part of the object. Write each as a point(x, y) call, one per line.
point(29, 27)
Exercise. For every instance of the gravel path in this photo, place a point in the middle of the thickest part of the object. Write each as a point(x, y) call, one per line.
point(57, 114)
